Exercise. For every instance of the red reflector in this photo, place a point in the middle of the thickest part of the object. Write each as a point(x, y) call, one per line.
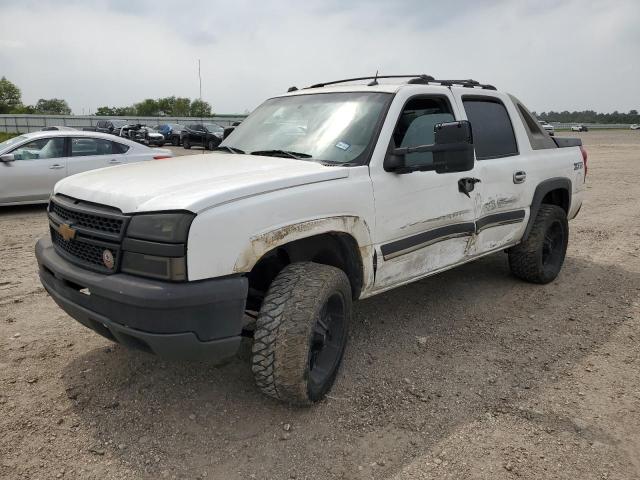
point(584, 159)
point(161, 157)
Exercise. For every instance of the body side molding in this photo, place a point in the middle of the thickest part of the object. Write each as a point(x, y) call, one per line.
point(423, 239)
point(497, 219)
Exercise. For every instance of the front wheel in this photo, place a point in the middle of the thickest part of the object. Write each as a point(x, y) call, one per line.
point(540, 257)
point(211, 145)
point(301, 333)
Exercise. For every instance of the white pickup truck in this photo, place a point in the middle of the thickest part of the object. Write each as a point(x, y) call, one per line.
point(322, 196)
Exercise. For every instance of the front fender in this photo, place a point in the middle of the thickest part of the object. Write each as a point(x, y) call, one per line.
point(263, 243)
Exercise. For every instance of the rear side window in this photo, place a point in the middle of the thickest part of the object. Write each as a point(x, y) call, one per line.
point(493, 135)
point(119, 147)
point(539, 139)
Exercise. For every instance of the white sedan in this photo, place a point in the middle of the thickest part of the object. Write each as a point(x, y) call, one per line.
point(31, 164)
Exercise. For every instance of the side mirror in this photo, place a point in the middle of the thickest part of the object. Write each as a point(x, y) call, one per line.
point(7, 158)
point(227, 132)
point(452, 151)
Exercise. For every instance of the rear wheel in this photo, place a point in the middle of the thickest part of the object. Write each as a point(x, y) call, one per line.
point(186, 143)
point(301, 333)
point(211, 145)
point(540, 257)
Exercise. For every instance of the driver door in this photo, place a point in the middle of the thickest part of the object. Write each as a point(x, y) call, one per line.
point(423, 222)
point(36, 168)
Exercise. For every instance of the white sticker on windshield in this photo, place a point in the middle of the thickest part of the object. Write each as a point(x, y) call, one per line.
point(343, 145)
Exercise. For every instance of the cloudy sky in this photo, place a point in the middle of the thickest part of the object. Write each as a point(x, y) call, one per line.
point(560, 55)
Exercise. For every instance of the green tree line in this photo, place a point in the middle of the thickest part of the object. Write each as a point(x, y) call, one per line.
point(11, 102)
point(590, 116)
point(169, 106)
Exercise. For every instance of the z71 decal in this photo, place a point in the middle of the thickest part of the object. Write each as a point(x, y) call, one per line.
point(578, 166)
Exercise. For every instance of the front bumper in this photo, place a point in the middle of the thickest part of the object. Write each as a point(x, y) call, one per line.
point(192, 320)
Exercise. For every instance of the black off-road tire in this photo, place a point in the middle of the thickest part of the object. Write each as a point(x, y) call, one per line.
point(540, 257)
point(186, 143)
point(211, 145)
point(175, 140)
point(286, 332)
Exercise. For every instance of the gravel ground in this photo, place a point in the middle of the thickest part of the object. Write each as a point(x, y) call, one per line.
point(470, 374)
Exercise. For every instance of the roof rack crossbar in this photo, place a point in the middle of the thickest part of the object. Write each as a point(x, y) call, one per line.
point(469, 83)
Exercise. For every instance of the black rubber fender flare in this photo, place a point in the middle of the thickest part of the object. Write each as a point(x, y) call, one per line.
point(544, 187)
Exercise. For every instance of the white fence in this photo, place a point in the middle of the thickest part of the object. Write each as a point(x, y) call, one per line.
point(31, 123)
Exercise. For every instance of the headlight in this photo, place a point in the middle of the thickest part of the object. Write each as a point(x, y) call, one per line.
point(161, 227)
point(156, 246)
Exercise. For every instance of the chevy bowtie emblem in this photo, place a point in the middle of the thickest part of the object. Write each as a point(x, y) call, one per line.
point(66, 232)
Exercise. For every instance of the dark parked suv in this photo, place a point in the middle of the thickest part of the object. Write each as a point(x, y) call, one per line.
point(109, 126)
point(207, 135)
point(171, 132)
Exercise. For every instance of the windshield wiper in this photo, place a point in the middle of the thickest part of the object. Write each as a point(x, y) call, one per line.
point(281, 153)
point(227, 148)
point(330, 163)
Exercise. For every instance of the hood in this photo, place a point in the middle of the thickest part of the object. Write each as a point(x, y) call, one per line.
point(193, 182)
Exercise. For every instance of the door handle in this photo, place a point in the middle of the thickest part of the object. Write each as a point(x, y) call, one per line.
point(114, 162)
point(519, 176)
point(56, 166)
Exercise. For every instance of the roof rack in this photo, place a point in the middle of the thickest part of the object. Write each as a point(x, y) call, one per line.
point(413, 79)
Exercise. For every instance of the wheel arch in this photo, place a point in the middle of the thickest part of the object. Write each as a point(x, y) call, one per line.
point(343, 242)
point(554, 191)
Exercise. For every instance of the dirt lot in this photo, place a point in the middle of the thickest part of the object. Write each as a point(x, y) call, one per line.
point(470, 374)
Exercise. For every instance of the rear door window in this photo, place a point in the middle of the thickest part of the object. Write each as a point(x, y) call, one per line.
point(493, 135)
point(82, 147)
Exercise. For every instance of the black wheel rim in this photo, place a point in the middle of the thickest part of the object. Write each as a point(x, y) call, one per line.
point(552, 246)
point(327, 344)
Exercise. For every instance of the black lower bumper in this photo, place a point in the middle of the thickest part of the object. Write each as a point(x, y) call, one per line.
point(191, 320)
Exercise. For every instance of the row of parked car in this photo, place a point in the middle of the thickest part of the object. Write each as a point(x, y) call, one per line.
point(32, 163)
point(207, 135)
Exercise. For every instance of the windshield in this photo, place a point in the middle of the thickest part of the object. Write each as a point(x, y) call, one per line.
point(331, 127)
point(11, 141)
